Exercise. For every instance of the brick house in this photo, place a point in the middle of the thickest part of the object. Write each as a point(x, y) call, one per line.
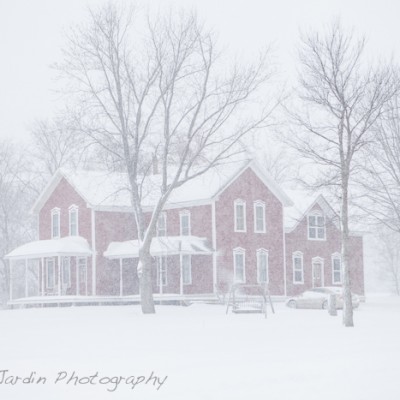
point(222, 227)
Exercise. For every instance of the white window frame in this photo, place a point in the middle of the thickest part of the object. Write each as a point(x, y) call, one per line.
point(164, 270)
point(239, 202)
point(257, 204)
point(298, 255)
point(189, 266)
point(55, 212)
point(337, 256)
point(162, 216)
point(73, 209)
point(237, 252)
point(316, 214)
point(185, 214)
point(66, 263)
point(262, 252)
point(50, 262)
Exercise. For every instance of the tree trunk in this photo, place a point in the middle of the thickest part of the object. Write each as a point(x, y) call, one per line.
point(347, 303)
point(146, 284)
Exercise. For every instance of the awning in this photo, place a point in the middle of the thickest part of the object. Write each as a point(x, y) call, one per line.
point(66, 246)
point(161, 245)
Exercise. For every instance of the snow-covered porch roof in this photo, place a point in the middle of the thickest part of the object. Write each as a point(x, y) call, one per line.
point(162, 245)
point(66, 246)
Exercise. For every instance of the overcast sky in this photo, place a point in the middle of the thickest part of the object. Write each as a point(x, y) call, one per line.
point(32, 35)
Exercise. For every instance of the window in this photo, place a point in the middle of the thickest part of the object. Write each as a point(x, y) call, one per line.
point(186, 264)
point(66, 271)
point(316, 226)
point(162, 269)
point(240, 216)
point(55, 223)
point(262, 266)
point(239, 263)
point(336, 269)
point(259, 217)
point(162, 225)
point(298, 270)
point(51, 273)
point(73, 221)
point(185, 223)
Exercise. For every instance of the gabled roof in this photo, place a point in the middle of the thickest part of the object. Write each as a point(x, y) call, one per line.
point(102, 189)
point(303, 205)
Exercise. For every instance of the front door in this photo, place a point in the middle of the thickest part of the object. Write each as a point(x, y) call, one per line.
point(317, 279)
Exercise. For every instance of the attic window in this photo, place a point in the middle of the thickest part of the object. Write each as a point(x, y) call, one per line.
point(316, 226)
point(55, 223)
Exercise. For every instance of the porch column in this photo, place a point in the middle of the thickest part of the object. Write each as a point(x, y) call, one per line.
point(77, 275)
point(59, 275)
point(26, 277)
point(121, 285)
point(11, 283)
point(181, 276)
point(42, 266)
point(160, 274)
point(86, 280)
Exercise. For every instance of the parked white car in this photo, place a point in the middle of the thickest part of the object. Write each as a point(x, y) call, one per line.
point(318, 298)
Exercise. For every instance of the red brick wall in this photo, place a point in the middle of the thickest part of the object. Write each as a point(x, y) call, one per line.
point(297, 240)
point(250, 188)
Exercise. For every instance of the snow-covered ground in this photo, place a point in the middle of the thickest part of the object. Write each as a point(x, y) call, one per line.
point(205, 354)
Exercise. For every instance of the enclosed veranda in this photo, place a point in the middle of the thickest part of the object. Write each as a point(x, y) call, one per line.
point(44, 271)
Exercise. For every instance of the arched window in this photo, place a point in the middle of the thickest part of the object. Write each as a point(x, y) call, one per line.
point(262, 266)
point(55, 223)
point(259, 216)
point(239, 265)
point(73, 220)
point(240, 215)
point(298, 269)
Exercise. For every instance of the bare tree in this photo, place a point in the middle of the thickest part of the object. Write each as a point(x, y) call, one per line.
point(341, 98)
point(15, 197)
point(380, 182)
point(57, 143)
point(160, 91)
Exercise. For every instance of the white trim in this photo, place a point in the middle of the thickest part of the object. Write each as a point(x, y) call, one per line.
point(55, 212)
point(316, 214)
point(239, 251)
point(263, 252)
point(73, 209)
point(239, 202)
point(318, 260)
point(298, 254)
point(259, 203)
point(190, 268)
point(86, 272)
point(52, 259)
point(162, 264)
point(94, 252)
point(68, 283)
point(214, 244)
point(185, 213)
point(337, 256)
point(163, 215)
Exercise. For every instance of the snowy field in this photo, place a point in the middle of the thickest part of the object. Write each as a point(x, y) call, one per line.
point(198, 352)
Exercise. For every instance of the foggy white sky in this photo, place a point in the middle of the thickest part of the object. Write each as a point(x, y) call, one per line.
point(32, 34)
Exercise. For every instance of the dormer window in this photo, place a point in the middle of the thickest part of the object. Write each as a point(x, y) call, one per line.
point(316, 226)
point(184, 217)
point(162, 225)
point(240, 215)
point(259, 216)
point(73, 221)
point(55, 223)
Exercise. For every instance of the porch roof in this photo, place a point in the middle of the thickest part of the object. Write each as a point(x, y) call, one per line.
point(66, 246)
point(161, 245)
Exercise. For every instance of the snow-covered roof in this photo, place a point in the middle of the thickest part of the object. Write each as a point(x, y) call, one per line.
point(66, 246)
point(303, 203)
point(105, 189)
point(162, 245)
